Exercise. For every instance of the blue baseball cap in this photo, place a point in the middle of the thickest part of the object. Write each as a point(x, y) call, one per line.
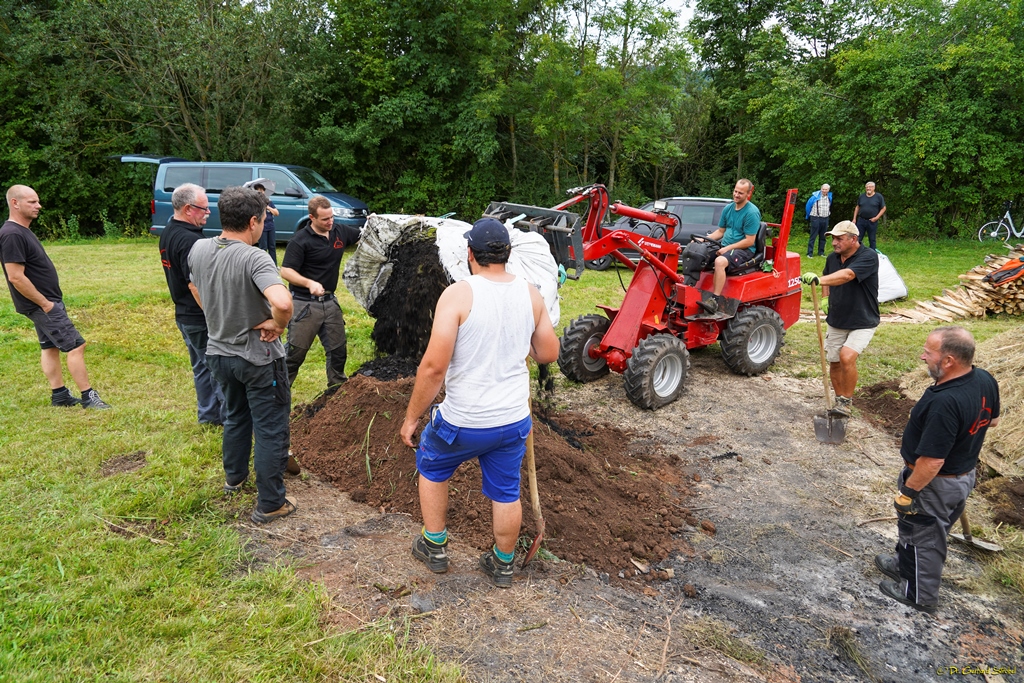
point(488, 234)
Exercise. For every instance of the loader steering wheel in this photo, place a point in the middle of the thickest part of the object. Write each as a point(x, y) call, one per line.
point(704, 238)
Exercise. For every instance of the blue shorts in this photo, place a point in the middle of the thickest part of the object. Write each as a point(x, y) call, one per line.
point(500, 450)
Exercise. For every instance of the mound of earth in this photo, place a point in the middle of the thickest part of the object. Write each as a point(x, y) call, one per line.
point(886, 405)
point(388, 368)
point(1007, 496)
point(605, 498)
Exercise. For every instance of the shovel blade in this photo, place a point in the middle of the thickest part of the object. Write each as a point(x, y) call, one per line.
point(978, 543)
point(829, 429)
point(535, 546)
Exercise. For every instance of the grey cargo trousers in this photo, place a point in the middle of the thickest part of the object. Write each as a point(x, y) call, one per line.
point(311, 319)
point(921, 548)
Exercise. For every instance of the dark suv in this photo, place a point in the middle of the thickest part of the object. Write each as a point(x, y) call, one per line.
point(697, 216)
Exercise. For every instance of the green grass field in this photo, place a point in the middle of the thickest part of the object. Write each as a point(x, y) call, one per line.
point(180, 598)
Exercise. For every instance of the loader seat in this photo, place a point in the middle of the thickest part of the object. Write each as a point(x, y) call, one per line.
point(760, 245)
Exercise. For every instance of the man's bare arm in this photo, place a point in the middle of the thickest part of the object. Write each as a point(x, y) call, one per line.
point(880, 214)
point(195, 293)
point(449, 314)
point(840, 277)
point(544, 342)
point(747, 241)
point(16, 274)
point(280, 304)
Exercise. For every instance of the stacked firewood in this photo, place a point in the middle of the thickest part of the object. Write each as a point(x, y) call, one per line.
point(974, 297)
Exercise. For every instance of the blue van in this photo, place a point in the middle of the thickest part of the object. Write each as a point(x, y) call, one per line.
point(295, 185)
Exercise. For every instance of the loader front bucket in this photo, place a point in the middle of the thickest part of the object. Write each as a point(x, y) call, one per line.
point(561, 229)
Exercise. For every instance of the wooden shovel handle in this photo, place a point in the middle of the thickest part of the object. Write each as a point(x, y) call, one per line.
point(821, 347)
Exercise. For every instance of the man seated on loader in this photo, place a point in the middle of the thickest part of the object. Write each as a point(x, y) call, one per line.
point(728, 249)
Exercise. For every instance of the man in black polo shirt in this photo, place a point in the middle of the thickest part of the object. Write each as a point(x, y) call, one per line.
point(311, 264)
point(191, 209)
point(940, 450)
point(35, 290)
point(850, 281)
point(870, 208)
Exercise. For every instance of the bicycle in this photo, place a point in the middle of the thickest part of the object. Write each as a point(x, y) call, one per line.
point(1001, 229)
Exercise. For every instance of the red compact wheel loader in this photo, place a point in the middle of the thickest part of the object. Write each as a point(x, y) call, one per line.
point(648, 337)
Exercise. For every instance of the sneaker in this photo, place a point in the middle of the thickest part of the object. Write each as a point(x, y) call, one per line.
point(888, 565)
point(265, 517)
point(711, 305)
point(90, 399)
point(499, 572)
point(233, 488)
point(64, 400)
point(892, 589)
point(431, 554)
point(843, 407)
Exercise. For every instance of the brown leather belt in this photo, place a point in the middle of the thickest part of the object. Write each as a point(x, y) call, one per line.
point(944, 476)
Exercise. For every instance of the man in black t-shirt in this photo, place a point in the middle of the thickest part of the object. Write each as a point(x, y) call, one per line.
point(311, 263)
point(36, 292)
point(870, 208)
point(850, 281)
point(940, 450)
point(191, 209)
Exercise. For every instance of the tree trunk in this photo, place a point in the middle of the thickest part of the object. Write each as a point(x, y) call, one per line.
point(586, 162)
point(515, 160)
point(558, 184)
point(613, 162)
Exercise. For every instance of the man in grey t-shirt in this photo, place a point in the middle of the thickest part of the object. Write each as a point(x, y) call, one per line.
point(247, 309)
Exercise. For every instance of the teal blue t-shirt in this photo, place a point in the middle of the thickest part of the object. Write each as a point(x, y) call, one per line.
point(740, 223)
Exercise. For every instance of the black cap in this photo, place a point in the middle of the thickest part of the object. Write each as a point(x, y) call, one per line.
point(488, 234)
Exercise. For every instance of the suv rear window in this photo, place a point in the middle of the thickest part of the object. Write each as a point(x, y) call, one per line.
point(701, 215)
point(179, 175)
point(219, 177)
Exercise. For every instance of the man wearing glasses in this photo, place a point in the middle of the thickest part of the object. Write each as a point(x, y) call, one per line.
point(191, 209)
point(850, 281)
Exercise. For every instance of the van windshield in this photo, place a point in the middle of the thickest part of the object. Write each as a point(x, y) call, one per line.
point(313, 180)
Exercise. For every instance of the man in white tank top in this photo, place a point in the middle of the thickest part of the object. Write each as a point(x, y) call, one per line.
point(484, 328)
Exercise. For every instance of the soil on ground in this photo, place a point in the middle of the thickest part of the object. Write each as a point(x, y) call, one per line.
point(1007, 496)
point(785, 589)
point(126, 462)
point(885, 405)
point(388, 368)
point(609, 497)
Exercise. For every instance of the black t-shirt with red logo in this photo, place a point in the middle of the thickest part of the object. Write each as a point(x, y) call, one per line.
point(317, 257)
point(18, 244)
point(950, 421)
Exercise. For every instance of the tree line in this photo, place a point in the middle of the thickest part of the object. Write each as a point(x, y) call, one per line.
point(445, 105)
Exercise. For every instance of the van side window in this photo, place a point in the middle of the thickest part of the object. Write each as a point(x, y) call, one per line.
point(282, 180)
point(219, 177)
point(179, 175)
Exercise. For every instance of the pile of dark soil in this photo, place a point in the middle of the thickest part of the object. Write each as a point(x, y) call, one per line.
point(604, 500)
point(388, 368)
point(404, 311)
point(1007, 496)
point(885, 405)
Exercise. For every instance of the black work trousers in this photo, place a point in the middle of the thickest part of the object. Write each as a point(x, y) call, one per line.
point(323, 319)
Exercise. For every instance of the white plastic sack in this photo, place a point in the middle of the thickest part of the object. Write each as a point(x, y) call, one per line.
point(890, 284)
point(530, 258)
point(367, 270)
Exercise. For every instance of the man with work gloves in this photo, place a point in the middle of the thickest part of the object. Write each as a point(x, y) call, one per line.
point(940, 449)
point(850, 285)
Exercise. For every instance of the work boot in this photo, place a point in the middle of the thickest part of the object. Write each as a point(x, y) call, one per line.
point(499, 572)
point(843, 407)
point(264, 517)
point(90, 399)
point(888, 565)
point(431, 554)
point(892, 589)
point(64, 399)
point(230, 488)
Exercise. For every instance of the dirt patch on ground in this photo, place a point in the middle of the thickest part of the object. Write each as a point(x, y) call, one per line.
point(388, 368)
point(126, 462)
point(884, 404)
point(1007, 496)
point(606, 497)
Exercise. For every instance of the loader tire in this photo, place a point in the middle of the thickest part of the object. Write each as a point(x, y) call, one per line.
point(752, 340)
point(577, 339)
point(603, 263)
point(656, 372)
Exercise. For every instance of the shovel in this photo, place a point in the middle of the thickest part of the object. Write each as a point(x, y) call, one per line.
point(967, 538)
point(827, 429)
point(531, 473)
